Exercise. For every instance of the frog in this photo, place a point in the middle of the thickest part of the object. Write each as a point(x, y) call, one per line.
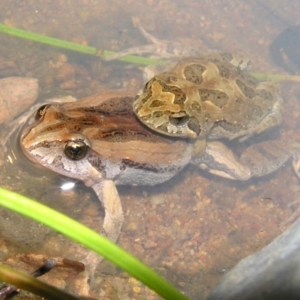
point(99, 140)
point(208, 96)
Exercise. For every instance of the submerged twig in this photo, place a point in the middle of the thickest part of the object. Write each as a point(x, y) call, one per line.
point(73, 46)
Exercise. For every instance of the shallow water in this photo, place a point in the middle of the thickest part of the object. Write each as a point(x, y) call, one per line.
point(197, 226)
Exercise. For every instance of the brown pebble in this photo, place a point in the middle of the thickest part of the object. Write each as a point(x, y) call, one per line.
point(67, 71)
point(16, 94)
point(157, 199)
point(131, 226)
point(92, 211)
point(68, 85)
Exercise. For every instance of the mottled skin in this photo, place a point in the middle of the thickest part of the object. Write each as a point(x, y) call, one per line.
point(208, 96)
point(99, 140)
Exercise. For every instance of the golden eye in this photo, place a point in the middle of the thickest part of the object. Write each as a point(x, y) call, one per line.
point(76, 150)
point(40, 112)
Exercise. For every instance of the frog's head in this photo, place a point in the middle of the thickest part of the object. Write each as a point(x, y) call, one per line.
point(161, 107)
point(51, 140)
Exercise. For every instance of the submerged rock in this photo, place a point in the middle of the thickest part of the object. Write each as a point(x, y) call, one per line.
point(272, 273)
point(16, 95)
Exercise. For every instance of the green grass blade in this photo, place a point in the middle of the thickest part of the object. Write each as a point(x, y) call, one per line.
point(275, 77)
point(73, 46)
point(105, 53)
point(90, 239)
point(47, 40)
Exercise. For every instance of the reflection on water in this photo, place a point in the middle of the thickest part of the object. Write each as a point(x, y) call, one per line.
point(195, 227)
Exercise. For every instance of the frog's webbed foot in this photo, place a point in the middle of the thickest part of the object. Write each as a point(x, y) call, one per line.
point(257, 160)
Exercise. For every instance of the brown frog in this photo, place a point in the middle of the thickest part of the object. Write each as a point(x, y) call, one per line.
point(100, 141)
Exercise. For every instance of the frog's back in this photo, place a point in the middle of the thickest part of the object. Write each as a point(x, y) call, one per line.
point(207, 96)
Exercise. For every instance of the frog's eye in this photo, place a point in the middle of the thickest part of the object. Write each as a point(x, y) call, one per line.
point(76, 150)
point(40, 112)
point(179, 119)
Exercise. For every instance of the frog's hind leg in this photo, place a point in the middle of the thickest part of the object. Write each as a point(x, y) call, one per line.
point(220, 160)
point(265, 157)
point(257, 160)
point(267, 102)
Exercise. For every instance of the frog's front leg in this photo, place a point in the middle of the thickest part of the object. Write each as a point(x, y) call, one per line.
point(257, 160)
point(113, 219)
